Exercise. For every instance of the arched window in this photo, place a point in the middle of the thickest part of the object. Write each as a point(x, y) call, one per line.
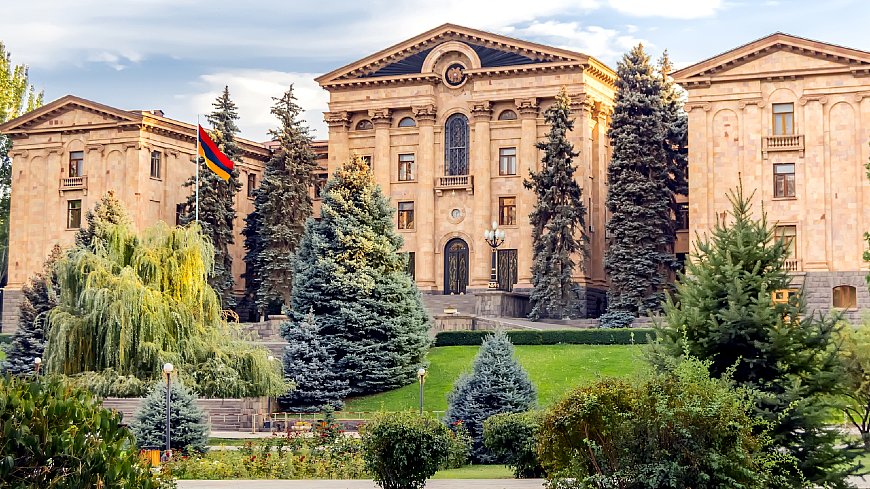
point(364, 125)
point(845, 297)
point(407, 122)
point(507, 115)
point(456, 145)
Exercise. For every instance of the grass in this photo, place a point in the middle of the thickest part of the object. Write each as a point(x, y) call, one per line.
point(554, 369)
point(230, 442)
point(476, 472)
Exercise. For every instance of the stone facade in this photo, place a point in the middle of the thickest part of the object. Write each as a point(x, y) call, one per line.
point(397, 104)
point(778, 110)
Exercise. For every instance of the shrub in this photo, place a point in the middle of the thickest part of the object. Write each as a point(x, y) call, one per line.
point(512, 437)
point(496, 384)
point(460, 447)
point(597, 336)
point(616, 319)
point(186, 427)
point(58, 437)
point(402, 450)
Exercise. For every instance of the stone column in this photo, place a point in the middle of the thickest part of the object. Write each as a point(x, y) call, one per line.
point(425, 204)
point(338, 123)
point(598, 193)
point(582, 139)
point(481, 165)
point(528, 161)
point(382, 167)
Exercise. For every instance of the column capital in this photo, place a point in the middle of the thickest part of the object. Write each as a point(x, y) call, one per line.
point(337, 120)
point(527, 107)
point(381, 117)
point(481, 111)
point(822, 99)
point(425, 114)
point(580, 102)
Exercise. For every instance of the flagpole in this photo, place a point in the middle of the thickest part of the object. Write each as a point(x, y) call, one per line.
point(197, 168)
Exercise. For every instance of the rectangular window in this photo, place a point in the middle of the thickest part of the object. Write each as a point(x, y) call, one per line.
point(682, 216)
point(76, 164)
point(507, 211)
point(783, 180)
point(319, 184)
point(155, 164)
point(507, 161)
point(788, 233)
point(783, 119)
point(412, 265)
point(406, 215)
point(368, 160)
point(406, 168)
point(73, 214)
point(179, 211)
point(252, 184)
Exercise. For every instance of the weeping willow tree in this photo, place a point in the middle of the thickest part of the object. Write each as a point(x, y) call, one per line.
point(128, 305)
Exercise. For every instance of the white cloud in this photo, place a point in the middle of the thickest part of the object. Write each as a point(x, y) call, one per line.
point(604, 44)
point(632, 28)
point(679, 9)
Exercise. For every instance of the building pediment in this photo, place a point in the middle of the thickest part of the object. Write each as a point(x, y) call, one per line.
point(413, 60)
point(66, 112)
point(778, 56)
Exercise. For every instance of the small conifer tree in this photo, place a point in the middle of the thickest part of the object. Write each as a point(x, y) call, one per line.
point(40, 298)
point(217, 211)
point(724, 311)
point(558, 220)
point(281, 206)
point(108, 210)
point(496, 384)
point(187, 426)
point(308, 365)
point(349, 270)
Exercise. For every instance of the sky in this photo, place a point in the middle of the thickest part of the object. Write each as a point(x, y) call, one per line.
point(177, 55)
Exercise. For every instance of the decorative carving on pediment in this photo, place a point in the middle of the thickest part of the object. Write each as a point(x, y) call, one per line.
point(751, 101)
point(481, 111)
point(822, 99)
point(689, 106)
point(527, 107)
point(337, 120)
point(381, 117)
point(424, 113)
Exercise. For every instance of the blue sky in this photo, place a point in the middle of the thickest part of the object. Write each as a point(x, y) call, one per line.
point(176, 55)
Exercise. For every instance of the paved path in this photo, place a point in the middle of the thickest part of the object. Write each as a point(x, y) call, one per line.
point(362, 484)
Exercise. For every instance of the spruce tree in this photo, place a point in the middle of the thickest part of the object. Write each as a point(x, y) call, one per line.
point(640, 257)
point(496, 384)
point(40, 298)
point(676, 127)
point(558, 220)
point(312, 369)
point(349, 270)
point(724, 311)
point(281, 206)
point(187, 426)
point(217, 198)
point(108, 210)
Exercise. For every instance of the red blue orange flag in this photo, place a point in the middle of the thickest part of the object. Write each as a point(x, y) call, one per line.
point(217, 161)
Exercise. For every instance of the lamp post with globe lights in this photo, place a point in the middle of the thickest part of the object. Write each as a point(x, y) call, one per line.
point(494, 238)
point(38, 362)
point(421, 373)
point(167, 369)
point(268, 422)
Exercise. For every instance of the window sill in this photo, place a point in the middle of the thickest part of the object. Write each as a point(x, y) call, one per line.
point(406, 230)
point(784, 198)
point(404, 181)
point(506, 176)
point(157, 178)
point(508, 226)
point(72, 229)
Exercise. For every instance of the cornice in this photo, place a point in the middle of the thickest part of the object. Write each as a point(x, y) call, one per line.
point(417, 78)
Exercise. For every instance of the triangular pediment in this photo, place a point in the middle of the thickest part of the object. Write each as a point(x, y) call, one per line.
point(68, 111)
point(775, 56)
point(408, 57)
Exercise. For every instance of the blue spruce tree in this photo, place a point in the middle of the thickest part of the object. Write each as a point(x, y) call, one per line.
point(496, 384)
point(187, 427)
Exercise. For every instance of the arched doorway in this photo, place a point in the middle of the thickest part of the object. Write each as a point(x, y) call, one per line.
point(455, 266)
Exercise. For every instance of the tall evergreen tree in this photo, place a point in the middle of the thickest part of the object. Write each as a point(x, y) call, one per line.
point(496, 384)
point(216, 198)
point(308, 365)
point(558, 220)
point(724, 311)
point(40, 298)
point(640, 257)
point(349, 270)
point(676, 126)
point(187, 426)
point(281, 206)
point(108, 210)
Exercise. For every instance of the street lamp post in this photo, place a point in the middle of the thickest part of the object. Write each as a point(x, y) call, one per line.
point(494, 238)
point(37, 361)
point(167, 369)
point(268, 422)
point(421, 373)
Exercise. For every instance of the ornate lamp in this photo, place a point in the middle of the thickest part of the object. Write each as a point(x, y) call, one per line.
point(421, 373)
point(494, 238)
point(167, 369)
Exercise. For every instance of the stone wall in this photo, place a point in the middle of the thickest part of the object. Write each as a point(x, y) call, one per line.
point(501, 304)
point(819, 290)
point(11, 305)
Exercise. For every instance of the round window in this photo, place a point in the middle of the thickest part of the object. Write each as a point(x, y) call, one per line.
point(456, 213)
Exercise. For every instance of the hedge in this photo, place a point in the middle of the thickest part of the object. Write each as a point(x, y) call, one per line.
point(6, 338)
point(637, 336)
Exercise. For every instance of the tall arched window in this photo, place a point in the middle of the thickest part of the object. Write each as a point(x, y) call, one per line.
point(456, 145)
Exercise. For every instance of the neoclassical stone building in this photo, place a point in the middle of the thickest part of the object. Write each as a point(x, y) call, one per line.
point(791, 117)
point(449, 120)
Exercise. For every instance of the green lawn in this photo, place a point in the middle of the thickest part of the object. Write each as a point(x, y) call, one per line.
point(554, 369)
point(476, 472)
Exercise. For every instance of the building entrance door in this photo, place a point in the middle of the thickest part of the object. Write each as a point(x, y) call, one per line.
point(455, 267)
point(507, 269)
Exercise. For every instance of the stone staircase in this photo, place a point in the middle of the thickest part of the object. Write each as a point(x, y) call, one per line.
point(223, 414)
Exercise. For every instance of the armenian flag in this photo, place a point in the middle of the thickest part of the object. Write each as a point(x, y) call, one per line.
point(217, 161)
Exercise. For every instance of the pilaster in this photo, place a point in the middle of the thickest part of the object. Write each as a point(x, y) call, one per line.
point(382, 119)
point(813, 251)
point(425, 204)
point(338, 123)
point(481, 168)
point(528, 155)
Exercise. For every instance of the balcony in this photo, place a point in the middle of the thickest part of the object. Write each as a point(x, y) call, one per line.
point(790, 142)
point(453, 183)
point(73, 183)
point(792, 265)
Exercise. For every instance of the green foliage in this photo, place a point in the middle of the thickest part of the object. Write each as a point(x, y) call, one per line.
point(327, 430)
point(108, 383)
point(108, 210)
point(679, 429)
point(496, 384)
point(676, 133)
point(134, 304)
point(217, 211)
point(723, 310)
point(5, 338)
point(281, 206)
point(55, 437)
point(635, 336)
point(558, 221)
point(187, 428)
point(40, 298)
point(349, 271)
point(459, 450)
point(513, 437)
point(640, 256)
point(402, 450)
point(856, 354)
